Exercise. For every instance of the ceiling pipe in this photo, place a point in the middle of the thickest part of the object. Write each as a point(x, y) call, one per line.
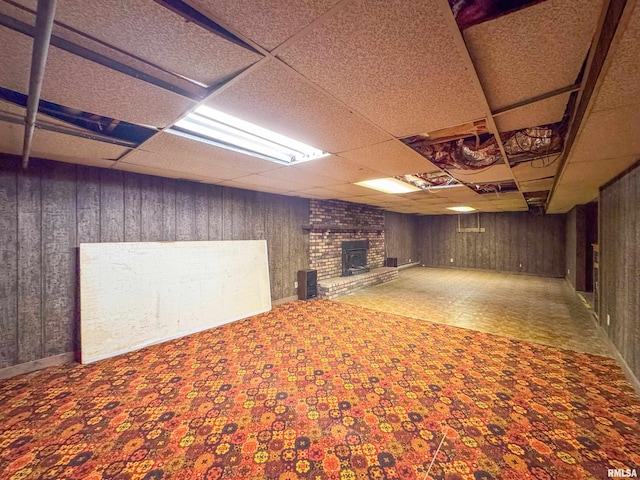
point(44, 26)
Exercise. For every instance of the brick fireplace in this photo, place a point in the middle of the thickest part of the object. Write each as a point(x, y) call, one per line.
point(333, 222)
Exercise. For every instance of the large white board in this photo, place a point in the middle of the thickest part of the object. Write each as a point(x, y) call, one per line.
point(137, 294)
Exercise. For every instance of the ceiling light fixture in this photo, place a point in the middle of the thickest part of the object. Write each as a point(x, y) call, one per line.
point(211, 126)
point(389, 185)
point(462, 208)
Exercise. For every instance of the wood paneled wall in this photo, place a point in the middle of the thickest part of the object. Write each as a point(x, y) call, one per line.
point(401, 237)
point(47, 210)
point(619, 242)
point(512, 242)
point(576, 248)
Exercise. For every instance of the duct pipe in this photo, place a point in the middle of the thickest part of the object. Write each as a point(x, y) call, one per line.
point(44, 26)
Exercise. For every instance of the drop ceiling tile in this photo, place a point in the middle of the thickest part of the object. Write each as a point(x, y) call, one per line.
point(544, 112)
point(594, 174)
point(621, 85)
point(350, 190)
point(77, 83)
point(534, 50)
point(260, 180)
point(340, 169)
point(255, 188)
point(182, 165)
point(296, 175)
point(275, 97)
point(608, 134)
point(11, 138)
point(536, 185)
point(535, 170)
point(181, 148)
point(286, 17)
point(386, 198)
point(394, 61)
point(494, 173)
point(59, 146)
point(161, 172)
point(154, 33)
point(391, 158)
point(319, 193)
point(15, 60)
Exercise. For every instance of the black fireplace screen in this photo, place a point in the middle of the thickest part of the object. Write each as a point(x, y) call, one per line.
point(354, 257)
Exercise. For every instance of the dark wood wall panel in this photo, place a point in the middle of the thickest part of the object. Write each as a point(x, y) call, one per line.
point(619, 241)
point(48, 210)
point(401, 237)
point(576, 248)
point(59, 226)
point(512, 242)
point(8, 268)
point(29, 198)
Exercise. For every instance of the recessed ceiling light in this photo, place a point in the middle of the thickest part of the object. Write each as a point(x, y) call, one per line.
point(461, 208)
point(217, 128)
point(389, 185)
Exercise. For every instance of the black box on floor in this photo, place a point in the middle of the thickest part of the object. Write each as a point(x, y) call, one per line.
point(307, 284)
point(391, 262)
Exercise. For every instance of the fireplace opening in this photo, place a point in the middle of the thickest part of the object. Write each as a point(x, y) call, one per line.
point(354, 257)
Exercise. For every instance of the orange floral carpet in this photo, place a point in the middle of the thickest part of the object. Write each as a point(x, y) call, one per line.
point(323, 390)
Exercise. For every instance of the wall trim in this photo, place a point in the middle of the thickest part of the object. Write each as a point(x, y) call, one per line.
point(282, 301)
point(36, 365)
point(408, 265)
point(615, 354)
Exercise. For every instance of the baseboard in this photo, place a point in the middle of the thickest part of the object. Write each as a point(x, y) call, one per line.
point(35, 365)
point(633, 380)
point(284, 300)
point(408, 265)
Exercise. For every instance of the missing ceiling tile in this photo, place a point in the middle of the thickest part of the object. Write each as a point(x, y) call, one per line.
point(471, 12)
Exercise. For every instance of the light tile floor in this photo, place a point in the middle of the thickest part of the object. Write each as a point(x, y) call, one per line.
point(523, 307)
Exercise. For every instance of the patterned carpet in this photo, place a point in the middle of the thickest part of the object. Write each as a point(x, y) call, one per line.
point(322, 390)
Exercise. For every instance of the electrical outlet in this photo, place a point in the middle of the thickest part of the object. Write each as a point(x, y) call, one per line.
point(295, 284)
point(519, 265)
point(409, 260)
point(608, 320)
point(568, 271)
point(451, 260)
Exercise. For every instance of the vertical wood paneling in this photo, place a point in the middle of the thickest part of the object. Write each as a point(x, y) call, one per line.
point(401, 239)
point(201, 205)
point(111, 206)
point(185, 212)
point(215, 212)
point(510, 239)
point(88, 204)
point(8, 267)
point(151, 221)
point(58, 206)
point(168, 210)
point(30, 338)
point(132, 208)
point(59, 224)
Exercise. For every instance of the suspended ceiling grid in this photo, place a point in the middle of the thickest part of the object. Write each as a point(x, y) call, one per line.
point(351, 77)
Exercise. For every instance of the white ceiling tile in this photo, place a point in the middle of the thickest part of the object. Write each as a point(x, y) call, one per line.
point(260, 180)
point(286, 17)
point(15, 60)
point(391, 158)
point(536, 169)
point(299, 176)
point(77, 83)
point(621, 85)
point(154, 33)
point(275, 97)
point(534, 50)
point(544, 112)
point(394, 61)
point(340, 169)
point(182, 165)
point(181, 148)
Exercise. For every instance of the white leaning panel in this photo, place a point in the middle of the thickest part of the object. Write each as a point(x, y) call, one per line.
point(137, 294)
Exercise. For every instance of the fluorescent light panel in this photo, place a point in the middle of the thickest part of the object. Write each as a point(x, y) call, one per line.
point(462, 208)
point(217, 128)
point(389, 185)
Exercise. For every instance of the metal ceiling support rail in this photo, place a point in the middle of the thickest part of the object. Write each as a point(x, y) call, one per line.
point(539, 98)
point(44, 27)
